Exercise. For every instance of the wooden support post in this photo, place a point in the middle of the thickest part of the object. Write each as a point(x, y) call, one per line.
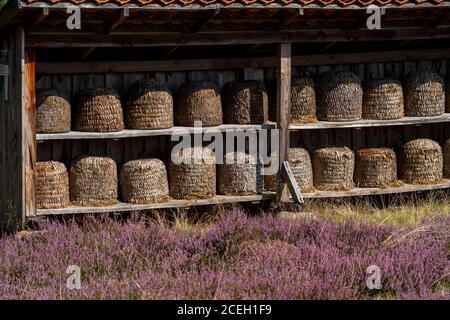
point(29, 133)
point(283, 112)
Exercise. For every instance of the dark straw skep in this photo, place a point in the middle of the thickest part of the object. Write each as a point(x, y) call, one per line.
point(198, 101)
point(424, 94)
point(193, 175)
point(144, 181)
point(383, 100)
point(245, 102)
point(301, 166)
point(149, 106)
point(53, 113)
point(98, 110)
point(303, 101)
point(93, 181)
point(52, 185)
point(239, 175)
point(447, 159)
point(376, 168)
point(421, 162)
point(339, 96)
point(333, 169)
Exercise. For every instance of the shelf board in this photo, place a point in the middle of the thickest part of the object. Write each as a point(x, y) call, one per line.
point(122, 207)
point(128, 133)
point(372, 123)
point(376, 191)
point(220, 199)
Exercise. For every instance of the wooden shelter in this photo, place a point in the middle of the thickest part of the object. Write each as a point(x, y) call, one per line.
point(121, 41)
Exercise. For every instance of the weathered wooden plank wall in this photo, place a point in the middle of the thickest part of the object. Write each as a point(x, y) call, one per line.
point(125, 149)
point(12, 164)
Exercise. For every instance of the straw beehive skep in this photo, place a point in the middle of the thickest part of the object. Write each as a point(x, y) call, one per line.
point(53, 112)
point(245, 102)
point(303, 101)
point(376, 168)
point(383, 100)
point(98, 110)
point(240, 174)
point(301, 166)
point(339, 96)
point(333, 168)
point(447, 159)
point(149, 106)
point(198, 101)
point(425, 94)
point(194, 175)
point(270, 183)
point(422, 162)
point(144, 181)
point(93, 181)
point(52, 185)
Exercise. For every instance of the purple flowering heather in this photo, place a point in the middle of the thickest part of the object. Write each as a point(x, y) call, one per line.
point(239, 257)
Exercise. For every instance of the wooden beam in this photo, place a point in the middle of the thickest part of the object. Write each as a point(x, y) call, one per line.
point(237, 38)
point(29, 133)
point(38, 20)
point(283, 112)
point(238, 63)
point(118, 21)
point(203, 21)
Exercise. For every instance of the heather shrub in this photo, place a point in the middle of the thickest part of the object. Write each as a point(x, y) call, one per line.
point(239, 257)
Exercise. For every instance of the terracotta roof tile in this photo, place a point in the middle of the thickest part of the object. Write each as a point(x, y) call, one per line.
point(341, 3)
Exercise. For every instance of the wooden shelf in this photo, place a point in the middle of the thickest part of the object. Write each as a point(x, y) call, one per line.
point(372, 123)
point(376, 191)
point(219, 199)
point(128, 133)
point(122, 207)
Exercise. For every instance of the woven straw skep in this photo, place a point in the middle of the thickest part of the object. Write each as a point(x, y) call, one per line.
point(339, 96)
point(383, 100)
point(52, 185)
point(301, 166)
point(333, 168)
point(144, 181)
point(424, 94)
point(447, 159)
point(149, 106)
point(245, 102)
point(93, 181)
point(198, 101)
point(239, 175)
point(53, 112)
point(195, 176)
point(421, 162)
point(376, 168)
point(270, 183)
point(98, 110)
point(303, 101)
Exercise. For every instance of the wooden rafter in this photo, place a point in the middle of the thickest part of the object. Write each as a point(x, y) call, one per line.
point(40, 18)
point(8, 12)
point(229, 38)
